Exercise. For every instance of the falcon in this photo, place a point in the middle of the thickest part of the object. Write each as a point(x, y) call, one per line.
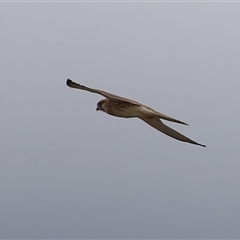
point(127, 108)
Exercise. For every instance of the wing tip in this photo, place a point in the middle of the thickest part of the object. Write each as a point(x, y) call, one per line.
point(202, 145)
point(73, 84)
point(177, 121)
point(69, 82)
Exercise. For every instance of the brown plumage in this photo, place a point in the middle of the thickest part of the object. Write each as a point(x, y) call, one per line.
point(127, 108)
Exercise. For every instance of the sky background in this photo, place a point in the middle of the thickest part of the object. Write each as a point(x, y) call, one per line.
point(67, 171)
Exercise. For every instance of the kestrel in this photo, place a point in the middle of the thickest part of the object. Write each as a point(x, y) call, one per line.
point(127, 108)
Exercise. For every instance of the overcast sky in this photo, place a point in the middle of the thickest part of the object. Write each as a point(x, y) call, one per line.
point(67, 171)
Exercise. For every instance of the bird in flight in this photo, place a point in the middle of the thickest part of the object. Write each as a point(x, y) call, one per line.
point(127, 108)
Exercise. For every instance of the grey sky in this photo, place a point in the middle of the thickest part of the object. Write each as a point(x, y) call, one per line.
point(67, 171)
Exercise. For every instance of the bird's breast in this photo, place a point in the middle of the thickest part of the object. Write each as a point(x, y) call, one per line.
point(122, 109)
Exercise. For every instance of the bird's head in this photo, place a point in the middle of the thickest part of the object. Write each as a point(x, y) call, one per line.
point(101, 105)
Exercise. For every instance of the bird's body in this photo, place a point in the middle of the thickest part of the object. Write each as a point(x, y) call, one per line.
point(124, 109)
point(119, 108)
point(127, 108)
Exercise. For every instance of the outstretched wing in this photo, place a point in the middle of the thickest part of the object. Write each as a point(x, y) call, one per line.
point(159, 125)
point(108, 95)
